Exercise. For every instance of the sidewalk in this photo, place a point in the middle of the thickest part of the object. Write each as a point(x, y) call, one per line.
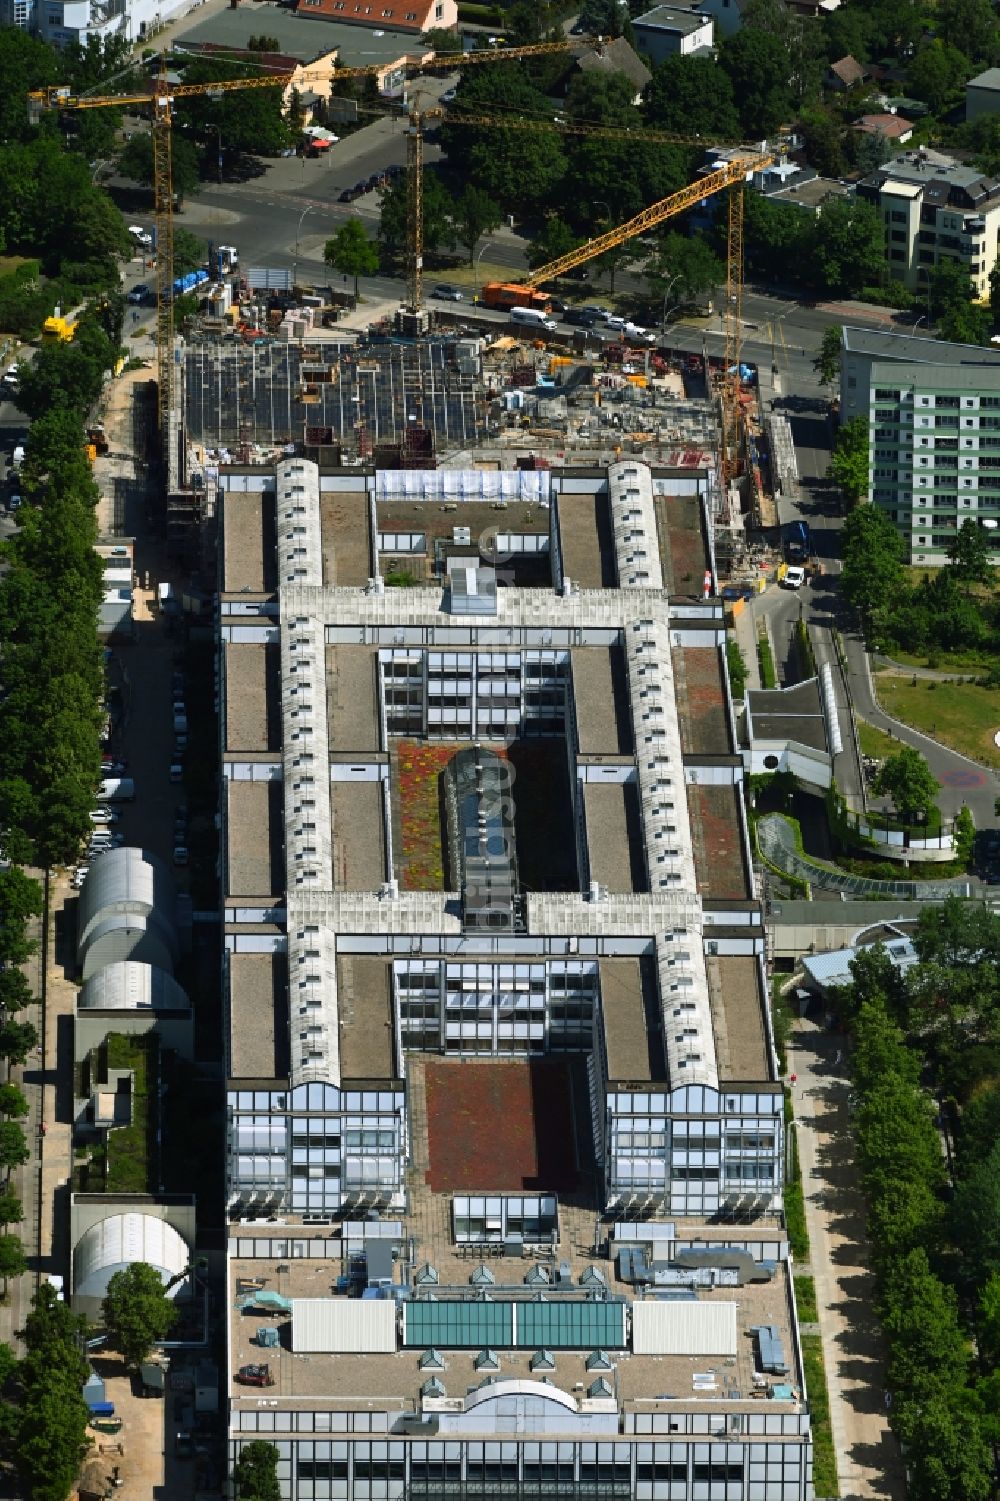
point(868, 1459)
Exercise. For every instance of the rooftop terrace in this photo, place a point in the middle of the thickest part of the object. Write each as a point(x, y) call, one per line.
point(393, 1381)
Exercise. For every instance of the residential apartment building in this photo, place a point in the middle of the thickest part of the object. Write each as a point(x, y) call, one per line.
point(64, 21)
point(935, 209)
point(933, 413)
point(497, 1039)
point(669, 31)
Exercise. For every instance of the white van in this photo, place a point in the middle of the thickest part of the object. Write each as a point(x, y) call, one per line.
point(534, 317)
point(117, 790)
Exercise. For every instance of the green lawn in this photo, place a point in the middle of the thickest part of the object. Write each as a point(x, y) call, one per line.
point(825, 1482)
point(805, 1300)
point(875, 742)
point(977, 662)
point(960, 715)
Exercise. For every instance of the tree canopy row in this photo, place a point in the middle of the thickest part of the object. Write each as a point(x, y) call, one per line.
point(50, 658)
point(927, 1062)
point(950, 609)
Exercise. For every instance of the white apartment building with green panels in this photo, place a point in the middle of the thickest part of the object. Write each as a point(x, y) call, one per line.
point(933, 412)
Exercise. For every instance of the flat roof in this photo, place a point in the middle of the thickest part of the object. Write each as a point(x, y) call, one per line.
point(665, 18)
point(683, 550)
point(352, 703)
point(258, 1016)
point(345, 535)
point(300, 36)
point(789, 714)
point(253, 835)
point(614, 836)
point(717, 837)
point(394, 1381)
point(586, 538)
point(700, 694)
point(249, 560)
point(364, 998)
point(628, 992)
point(600, 691)
point(358, 842)
point(910, 350)
point(988, 79)
point(737, 1018)
point(252, 696)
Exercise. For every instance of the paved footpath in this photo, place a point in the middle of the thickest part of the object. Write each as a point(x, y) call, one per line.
point(868, 1459)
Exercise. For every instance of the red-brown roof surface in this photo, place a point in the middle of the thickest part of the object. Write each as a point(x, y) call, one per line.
point(890, 126)
point(397, 15)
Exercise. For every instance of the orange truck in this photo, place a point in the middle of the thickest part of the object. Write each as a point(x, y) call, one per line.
point(506, 295)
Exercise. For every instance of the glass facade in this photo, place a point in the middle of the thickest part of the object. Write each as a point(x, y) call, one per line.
point(457, 695)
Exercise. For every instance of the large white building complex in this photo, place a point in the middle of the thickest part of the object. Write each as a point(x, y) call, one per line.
point(505, 1131)
point(933, 413)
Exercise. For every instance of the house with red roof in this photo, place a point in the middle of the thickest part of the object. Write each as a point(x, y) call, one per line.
point(387, 15)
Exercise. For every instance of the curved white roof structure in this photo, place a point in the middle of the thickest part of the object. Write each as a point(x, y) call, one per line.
point(117, 1242)
point(126, 889)
point(128, 985)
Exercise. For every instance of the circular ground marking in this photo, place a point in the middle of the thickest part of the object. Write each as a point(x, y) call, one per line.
point(964, 780)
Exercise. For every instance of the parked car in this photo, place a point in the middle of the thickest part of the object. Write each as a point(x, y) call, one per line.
point(112, 768)
point(104, 815)
point(140, 236)
point(445, 293)
point(348, 195)
point(14, 503)
point(794, 578)
point(139, 293)
point(449, 96)
point(176, 771)
point(180, 854)
point(180, 745)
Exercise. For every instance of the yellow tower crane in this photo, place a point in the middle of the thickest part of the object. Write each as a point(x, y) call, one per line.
point(160, 99)
point(728, 178)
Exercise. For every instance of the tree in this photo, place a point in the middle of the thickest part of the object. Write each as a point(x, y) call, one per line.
point(824, 143)
point(136, 162)
point(758, 67)
point(685, 268)
point(872, 577)
point(137, 1311)
point(12, 1259)
point(849, 464)
point(190, 252)
point(62, 376)
point(827, 366)
point(14, 1150)
point(351, 252)
point(13, 1105)
point(394, 224)
point(256, 1472)
point(847, 246)
point(11, 1208)
point(969, 555)
point(16, 1041)
point(872, 150)
point(693, 96)
point(909, 782)
point(554, 239)
point(474, 215)
point(20, 900)
point(936, 73)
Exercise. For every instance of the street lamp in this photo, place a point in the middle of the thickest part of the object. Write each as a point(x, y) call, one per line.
point(670, 287)
point(921, 319)
point(475, 269)
point(295, 263)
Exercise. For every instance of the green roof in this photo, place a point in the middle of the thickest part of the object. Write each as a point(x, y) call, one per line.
point(455, 1324)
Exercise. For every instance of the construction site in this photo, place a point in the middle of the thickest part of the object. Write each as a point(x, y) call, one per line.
point(263, 370)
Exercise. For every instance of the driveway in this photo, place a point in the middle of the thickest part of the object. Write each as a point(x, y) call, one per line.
point(961, 780)
point(868, 1459)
